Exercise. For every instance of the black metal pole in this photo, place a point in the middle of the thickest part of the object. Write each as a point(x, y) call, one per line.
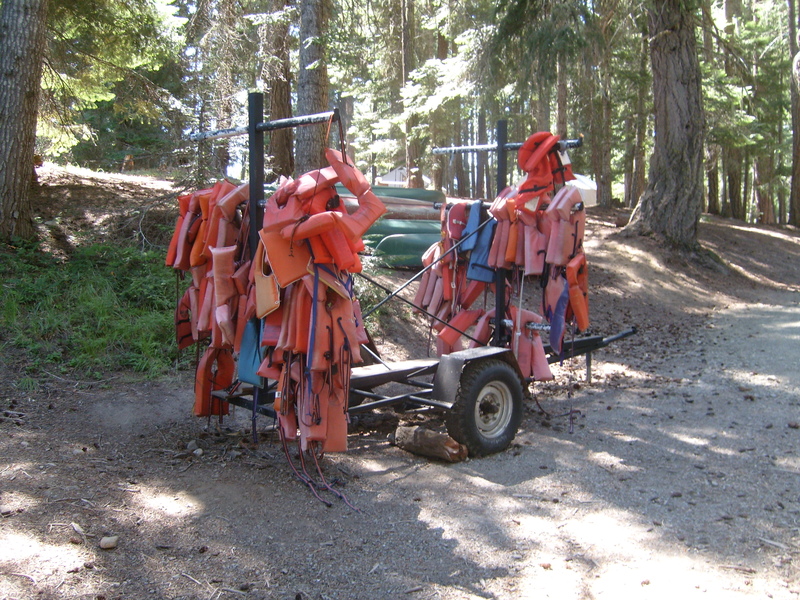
point(263, 126)
point(500, 274)
point(296, 121)
point(478, 148)
point(255, 146)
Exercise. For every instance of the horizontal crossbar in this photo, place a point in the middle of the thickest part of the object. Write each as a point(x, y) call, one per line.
point(300, 121)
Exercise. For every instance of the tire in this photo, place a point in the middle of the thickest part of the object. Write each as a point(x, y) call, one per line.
point(488, 407)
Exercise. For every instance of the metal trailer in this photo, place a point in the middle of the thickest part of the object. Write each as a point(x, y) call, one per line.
point(480, 390)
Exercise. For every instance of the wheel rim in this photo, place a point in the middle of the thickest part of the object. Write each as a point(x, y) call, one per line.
point(493, 409)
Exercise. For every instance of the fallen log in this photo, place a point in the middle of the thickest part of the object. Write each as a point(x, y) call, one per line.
point(425, 442)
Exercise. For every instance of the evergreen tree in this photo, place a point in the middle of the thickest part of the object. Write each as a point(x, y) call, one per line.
point(673, 200)
point(99, 52)
point(22, 40)
point(794, 54)
point(312, 83)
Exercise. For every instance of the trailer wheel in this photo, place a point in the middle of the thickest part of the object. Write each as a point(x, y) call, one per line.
point(488, 407)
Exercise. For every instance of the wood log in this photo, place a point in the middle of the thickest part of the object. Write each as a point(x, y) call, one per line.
point(425, 442)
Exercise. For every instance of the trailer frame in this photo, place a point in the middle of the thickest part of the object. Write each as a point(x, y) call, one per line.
point(480, 390)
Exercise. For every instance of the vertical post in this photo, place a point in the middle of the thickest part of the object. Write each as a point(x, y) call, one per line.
point(255, 147)
point(500, 274)
point(589, 368)
point(340, 134)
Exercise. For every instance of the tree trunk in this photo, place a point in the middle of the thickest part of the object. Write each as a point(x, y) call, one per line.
point(724, 205)
point(763, 171)
point(481, 158)
point(604, 195)
point(764, 160)
point(437, 173)
point(794, 196)
point(712, 175)
point(712, 151)
point(593, 121)
point(627, 160)
point(780, 195)
point(372, 155)
point(562, 95)
point(671, 205)
point(439, 134)
point(543, 107)
point(312, 84)
point(599, 107)
point(734, 168)
point(732, 163)
point(227, 14)
point(22, 39)
point(279, 75)
point(347, 107)
point(642, 125)
point(746, 190)
point(462, 181)
point(203, 170)
point(733, 157)
point(413, 144)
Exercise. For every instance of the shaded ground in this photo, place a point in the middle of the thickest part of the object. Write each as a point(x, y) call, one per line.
point(680, 475)
point(74, 206)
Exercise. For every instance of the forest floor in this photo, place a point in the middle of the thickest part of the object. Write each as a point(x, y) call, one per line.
point(680, 476)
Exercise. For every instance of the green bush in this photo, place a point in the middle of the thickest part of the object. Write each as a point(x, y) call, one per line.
point(104, 308)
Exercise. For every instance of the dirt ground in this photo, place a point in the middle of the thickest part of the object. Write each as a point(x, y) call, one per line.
point(678, 475)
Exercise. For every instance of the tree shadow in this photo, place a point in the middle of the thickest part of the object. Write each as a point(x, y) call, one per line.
point(229, 523)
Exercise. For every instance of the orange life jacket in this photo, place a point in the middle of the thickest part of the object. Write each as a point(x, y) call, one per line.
point(313, 329)
point(223, 227)
point(187, 233)
point(185, 332)
point(226, 296)
point(460, 322)
point(533, 158)
point(214, 372)
point(534, 245)
point(207, 203)
point(528, 346)
point(578, 281)
point(470, 293)
point(183, 209)
point(568, 224)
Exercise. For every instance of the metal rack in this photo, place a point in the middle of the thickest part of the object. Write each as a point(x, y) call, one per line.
point(447, 372)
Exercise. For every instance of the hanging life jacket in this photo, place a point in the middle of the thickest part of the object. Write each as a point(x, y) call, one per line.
point(214, 372)
point(578, 281)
